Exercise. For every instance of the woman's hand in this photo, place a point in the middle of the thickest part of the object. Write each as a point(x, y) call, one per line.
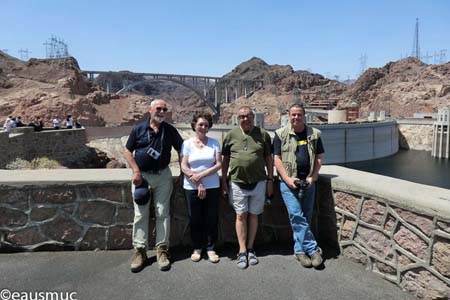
point(201, 191)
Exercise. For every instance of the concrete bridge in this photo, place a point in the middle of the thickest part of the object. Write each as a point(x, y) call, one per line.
point(213, 90)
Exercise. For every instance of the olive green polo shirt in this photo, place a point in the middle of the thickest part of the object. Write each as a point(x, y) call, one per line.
point(247, 154)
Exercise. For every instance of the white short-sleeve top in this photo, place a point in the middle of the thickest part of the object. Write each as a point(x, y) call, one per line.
point(200, 159)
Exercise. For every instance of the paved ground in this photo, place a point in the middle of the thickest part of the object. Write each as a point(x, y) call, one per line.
point(106, 275)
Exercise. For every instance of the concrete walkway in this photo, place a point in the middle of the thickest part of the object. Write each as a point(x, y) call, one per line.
point(106, 275)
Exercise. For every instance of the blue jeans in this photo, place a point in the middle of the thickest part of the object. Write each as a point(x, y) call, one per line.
point(300, 212)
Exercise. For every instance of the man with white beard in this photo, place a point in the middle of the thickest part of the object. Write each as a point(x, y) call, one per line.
point(152, 142)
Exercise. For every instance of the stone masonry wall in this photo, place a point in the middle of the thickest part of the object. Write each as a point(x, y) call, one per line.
point(88, 216)
point(399, 230)
point(64, 145)
point(407, 248)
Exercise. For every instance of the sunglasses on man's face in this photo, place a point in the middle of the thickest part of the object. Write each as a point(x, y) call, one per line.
point(164, 109)
point(242, 117)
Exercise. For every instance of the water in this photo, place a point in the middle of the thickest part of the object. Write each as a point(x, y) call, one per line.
point(411, 165)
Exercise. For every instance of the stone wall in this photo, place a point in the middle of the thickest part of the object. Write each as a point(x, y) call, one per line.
point(398, 229)
point(401, 237)
point(64, 145)
point(92, 209)
point(415, 135)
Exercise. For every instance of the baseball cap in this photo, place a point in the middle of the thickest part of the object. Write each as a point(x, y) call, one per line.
point(141, 193)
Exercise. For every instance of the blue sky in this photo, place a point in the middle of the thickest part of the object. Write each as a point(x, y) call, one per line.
point(212, 37)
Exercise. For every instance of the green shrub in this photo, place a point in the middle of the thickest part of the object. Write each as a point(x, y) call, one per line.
point(45, 163)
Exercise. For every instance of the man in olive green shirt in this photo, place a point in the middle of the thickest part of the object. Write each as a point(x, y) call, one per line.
point(247, 153)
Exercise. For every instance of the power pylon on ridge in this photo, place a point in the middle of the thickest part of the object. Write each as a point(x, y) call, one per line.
point(416, 45)
point(24, 54)
point(362, 63)
point(55, 47)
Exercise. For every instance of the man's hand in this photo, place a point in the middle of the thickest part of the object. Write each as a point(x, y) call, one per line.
point(310, 181)
point(269, 189)
point(290, 182)
point(137, 178)
point(224, 190)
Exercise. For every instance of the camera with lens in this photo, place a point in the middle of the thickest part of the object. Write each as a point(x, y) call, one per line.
point(153, 153)
point(301, 184)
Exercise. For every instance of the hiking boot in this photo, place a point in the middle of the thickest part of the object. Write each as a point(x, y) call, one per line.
point(252, 259)
point(303, 259)
point(138, 260)
point(316, 259)
point(162, 257)
point(242, 260)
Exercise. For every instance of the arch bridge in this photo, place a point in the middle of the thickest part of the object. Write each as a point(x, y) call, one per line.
point(212, 90)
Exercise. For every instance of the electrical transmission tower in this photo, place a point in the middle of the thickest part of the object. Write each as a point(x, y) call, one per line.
point(440, 57)
point(56, 48)
point(24, 54)
point(362, 63)
point(416, 46)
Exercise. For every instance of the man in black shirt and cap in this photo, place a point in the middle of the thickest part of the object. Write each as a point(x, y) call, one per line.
point(152, 142)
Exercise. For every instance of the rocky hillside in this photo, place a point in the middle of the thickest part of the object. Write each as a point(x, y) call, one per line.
point(46, 88)
point(282, 87)
point(49, 87)
point(402, 88)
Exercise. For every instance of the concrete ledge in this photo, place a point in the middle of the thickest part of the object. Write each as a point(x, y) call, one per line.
point(409, 195)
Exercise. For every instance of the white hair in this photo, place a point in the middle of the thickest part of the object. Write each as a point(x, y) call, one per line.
point(153, 103)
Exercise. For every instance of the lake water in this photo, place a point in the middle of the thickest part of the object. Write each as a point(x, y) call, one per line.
point(411, 165)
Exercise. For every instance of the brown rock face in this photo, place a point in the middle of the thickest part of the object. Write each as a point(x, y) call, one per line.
point(375, 241)
point(424, 285)
point(97, 212)
point(42, 213)
point(29, 236)
point(346, 201)
point(347, 229)
point(372, 212)
point(14, 198)
point(53, 196)
point(406, 239)
point(95, 238)
point(425, 224)
point(402, 88)
point(355, 254)
point(12, 217)
point(62, 229)
point(119, 237)
point(441, 258)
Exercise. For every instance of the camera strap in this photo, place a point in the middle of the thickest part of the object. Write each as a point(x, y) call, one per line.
point(150, 141)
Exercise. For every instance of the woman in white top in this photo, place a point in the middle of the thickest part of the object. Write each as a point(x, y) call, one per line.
point(200, 163)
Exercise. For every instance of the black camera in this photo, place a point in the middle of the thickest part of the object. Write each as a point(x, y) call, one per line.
point(301, 184)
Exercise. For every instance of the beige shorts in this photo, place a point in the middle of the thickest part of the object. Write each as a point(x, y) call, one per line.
point(251, 201)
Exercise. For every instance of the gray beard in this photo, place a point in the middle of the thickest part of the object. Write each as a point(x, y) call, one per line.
point(159, 119)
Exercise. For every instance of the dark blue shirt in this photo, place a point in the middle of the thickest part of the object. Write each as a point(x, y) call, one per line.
point(301, 153)
point(143, 137)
